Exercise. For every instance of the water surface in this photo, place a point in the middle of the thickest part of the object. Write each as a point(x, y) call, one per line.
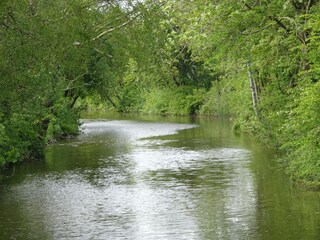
point(150, 178)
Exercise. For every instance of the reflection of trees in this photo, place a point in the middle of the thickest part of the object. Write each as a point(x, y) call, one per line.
point(96, 156)
point(285, 211)
point(228, 209)
point(222, 190)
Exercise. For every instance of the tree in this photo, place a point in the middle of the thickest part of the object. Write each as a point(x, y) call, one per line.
point(45, 51)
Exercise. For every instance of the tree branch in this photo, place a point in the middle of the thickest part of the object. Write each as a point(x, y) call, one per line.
point(256, 31)
point(279, 23)
point(247, 5)
point(309, 5)
point(113, 29)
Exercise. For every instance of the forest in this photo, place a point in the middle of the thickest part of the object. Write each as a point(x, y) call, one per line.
point(254, 61)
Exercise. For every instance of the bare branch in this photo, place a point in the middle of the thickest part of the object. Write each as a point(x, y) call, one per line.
point(113, 29)
point(257, 31)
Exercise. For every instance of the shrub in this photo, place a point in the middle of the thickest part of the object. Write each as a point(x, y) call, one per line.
point(178, 101)
point(302, 129)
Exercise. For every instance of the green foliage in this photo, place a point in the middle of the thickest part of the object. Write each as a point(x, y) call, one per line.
point(131, 98)
point(19, 138)
point(223, 97)
point(303, 137)
point(62, 122)
point(179, 101)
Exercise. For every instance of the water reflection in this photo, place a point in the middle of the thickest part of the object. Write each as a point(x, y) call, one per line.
point(143, 180)
point(217, 184)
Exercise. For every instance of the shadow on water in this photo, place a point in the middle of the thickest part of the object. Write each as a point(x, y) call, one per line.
point(137, 177)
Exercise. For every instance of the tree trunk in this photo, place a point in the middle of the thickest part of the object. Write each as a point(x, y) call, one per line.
point(74, 101)
point(254, 91)
point(110, 100)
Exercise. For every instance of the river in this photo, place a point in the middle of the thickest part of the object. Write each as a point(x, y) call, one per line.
point(134, 177)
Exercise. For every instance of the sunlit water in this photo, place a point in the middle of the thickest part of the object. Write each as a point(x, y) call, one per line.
point(130, 179)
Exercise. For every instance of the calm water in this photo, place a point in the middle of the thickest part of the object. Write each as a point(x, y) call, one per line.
point(159, 178)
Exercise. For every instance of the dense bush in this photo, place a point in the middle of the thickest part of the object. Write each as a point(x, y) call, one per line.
point(24, 136)
point(19, 139)
point(177, 101)
point(302, 134)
